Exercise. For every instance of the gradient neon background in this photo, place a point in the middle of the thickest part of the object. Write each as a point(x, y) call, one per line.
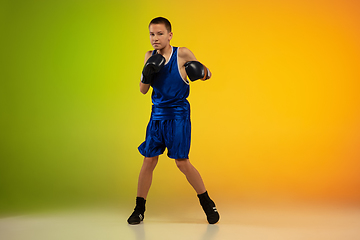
point(279, 118)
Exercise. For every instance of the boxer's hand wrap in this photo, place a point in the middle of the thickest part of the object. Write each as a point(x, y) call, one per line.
point(196, 70)
point(153, 65)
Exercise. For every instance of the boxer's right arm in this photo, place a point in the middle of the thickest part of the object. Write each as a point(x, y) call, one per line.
point(144, 88)
point(153, 65)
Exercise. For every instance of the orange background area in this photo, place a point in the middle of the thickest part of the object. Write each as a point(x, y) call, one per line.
point(281, 114)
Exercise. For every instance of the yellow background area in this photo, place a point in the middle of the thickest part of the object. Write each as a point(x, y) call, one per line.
point(278, 119)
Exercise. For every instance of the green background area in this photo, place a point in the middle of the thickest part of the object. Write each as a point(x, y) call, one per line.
point(67, 95)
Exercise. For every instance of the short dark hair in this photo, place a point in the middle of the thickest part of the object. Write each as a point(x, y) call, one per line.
point(162, 20)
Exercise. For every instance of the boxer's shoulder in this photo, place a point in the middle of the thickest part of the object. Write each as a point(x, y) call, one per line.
point(186, 54)
point(147, 56)
point(183, 51)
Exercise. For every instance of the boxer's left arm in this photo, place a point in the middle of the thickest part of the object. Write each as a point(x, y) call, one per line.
point(185, 55)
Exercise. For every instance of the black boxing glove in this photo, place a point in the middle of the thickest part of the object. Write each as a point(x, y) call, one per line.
point(153, 65)
point(196, 70)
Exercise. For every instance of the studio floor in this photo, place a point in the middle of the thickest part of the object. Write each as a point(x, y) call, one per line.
point(245, 222)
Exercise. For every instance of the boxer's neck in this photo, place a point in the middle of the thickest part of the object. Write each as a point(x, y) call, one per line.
point(166, 51)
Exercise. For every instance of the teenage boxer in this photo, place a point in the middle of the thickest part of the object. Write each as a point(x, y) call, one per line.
point(166, 69)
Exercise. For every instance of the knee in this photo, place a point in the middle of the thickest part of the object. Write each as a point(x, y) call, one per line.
point(182, 164)
point(150, 162)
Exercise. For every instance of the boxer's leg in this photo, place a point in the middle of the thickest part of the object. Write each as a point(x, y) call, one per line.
point(194, 178)
point(192, 175)
point(144, 183)
point(145, 176)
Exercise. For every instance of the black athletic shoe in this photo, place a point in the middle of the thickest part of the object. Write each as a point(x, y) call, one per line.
point(209, 208)
point(138, 215)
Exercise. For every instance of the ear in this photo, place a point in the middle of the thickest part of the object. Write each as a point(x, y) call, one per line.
point(170, 36)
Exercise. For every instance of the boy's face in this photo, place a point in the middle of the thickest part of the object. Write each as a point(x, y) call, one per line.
point(159, 36)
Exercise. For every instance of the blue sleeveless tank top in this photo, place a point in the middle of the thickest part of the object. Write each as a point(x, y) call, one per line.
point(170, 91)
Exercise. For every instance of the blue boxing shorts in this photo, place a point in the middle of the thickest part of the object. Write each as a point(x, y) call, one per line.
point(173, 134)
